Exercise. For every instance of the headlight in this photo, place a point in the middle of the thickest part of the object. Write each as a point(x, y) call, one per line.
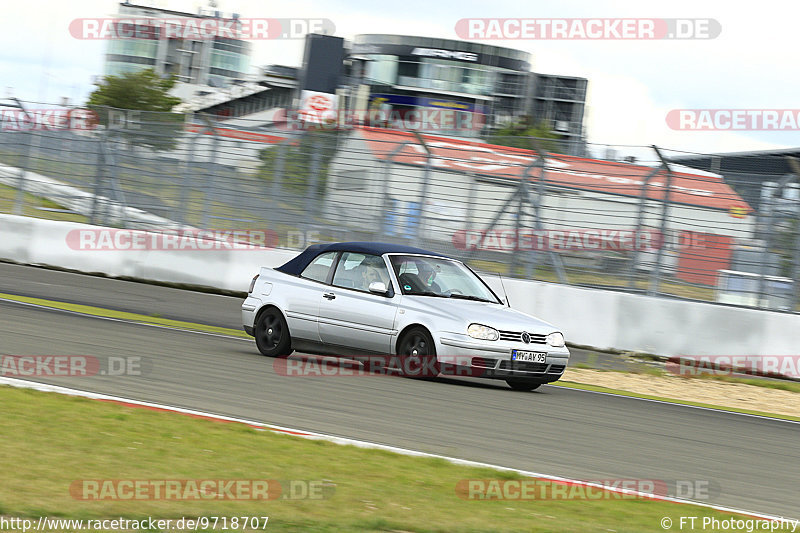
point(555, 339)
point(479, 331)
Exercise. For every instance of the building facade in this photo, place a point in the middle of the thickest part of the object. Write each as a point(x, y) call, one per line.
point(217, 62)
point(443, 86)
point(559, 103)
point(481, 85)
point(486, 86)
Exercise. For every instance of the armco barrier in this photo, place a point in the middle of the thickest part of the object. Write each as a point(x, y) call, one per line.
point(603, 319)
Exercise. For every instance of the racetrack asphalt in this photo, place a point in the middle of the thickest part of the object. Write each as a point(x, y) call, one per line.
point(751, 463)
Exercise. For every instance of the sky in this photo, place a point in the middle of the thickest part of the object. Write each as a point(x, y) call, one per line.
point(633, 85)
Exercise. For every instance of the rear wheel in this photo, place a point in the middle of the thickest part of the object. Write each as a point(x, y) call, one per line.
point(272, 334)
point(417, 354)
point(523, 384)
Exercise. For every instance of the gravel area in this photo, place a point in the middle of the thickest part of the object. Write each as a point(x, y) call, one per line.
point(724, 394)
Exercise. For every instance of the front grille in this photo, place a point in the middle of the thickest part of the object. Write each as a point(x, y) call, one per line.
point(556, 369)
point(523, 366)
point(516, 336)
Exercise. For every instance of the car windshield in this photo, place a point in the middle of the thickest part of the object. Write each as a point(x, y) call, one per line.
point(439, 277)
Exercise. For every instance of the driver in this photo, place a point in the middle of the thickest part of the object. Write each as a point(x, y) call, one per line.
point(427, 274)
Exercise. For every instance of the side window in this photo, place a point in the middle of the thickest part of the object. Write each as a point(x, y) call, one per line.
point(319, 268)
point(357, 271)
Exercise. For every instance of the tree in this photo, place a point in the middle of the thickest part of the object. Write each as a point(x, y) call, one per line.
point(516, 135)
point(139, 106)
point(298, 160)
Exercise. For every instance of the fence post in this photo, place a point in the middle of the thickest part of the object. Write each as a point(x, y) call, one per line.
point(385, 192)
point(473, 191)
point(558, 265)
point(19, 202)
point(312, 182)
point(426, 176)
point(277, 169)
point(114, 186)
point(517, 226)
point(762, 281)
point(655, 281)
point(762, 267)
point(639, 225)
point(98, 179)
point(209, 186)
point(796, 261)
point(183, 216)
point(794, 165)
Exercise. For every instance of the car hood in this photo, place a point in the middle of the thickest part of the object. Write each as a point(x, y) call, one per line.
point(497, 316)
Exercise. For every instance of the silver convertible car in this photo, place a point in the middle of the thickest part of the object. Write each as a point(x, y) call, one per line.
point(420, 313)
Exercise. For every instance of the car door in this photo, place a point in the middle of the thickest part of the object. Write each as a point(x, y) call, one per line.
point(351, 317)
point(302, 307)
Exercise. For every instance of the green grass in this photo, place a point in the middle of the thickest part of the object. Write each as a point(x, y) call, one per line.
point(35, 206)
point(53, 440)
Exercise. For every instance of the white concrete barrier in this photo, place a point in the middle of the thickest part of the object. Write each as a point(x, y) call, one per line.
point(602, 319)
point(44, 242)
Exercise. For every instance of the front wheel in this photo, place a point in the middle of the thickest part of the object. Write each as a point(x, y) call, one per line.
point(272, 334)
point(523, 384)
point(417, 354)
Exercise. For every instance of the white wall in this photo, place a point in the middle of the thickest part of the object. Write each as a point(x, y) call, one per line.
point(603, 319)
point(44, 242)
point(663, 326)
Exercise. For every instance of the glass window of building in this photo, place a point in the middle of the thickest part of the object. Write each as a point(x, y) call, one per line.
point(382, 69)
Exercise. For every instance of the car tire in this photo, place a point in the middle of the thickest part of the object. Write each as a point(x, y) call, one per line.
point(416, 353)
point(524, 385)
point(272, 334)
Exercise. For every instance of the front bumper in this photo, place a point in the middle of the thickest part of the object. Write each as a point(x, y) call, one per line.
point(492, 359)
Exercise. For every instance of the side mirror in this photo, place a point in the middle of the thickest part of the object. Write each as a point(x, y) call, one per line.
point(378, 287)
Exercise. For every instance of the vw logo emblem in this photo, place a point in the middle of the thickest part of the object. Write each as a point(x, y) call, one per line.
point(526, 337)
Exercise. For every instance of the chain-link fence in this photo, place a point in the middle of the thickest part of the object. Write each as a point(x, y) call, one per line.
point(629, 218)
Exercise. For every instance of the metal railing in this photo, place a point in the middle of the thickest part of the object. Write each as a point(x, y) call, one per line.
point(626, 218)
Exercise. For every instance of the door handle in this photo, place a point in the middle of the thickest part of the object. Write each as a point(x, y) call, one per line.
point(329, 296)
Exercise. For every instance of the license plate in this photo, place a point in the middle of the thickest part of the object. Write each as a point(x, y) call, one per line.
point(528, 357)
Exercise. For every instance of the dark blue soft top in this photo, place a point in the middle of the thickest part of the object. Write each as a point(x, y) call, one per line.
point(299, 263)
